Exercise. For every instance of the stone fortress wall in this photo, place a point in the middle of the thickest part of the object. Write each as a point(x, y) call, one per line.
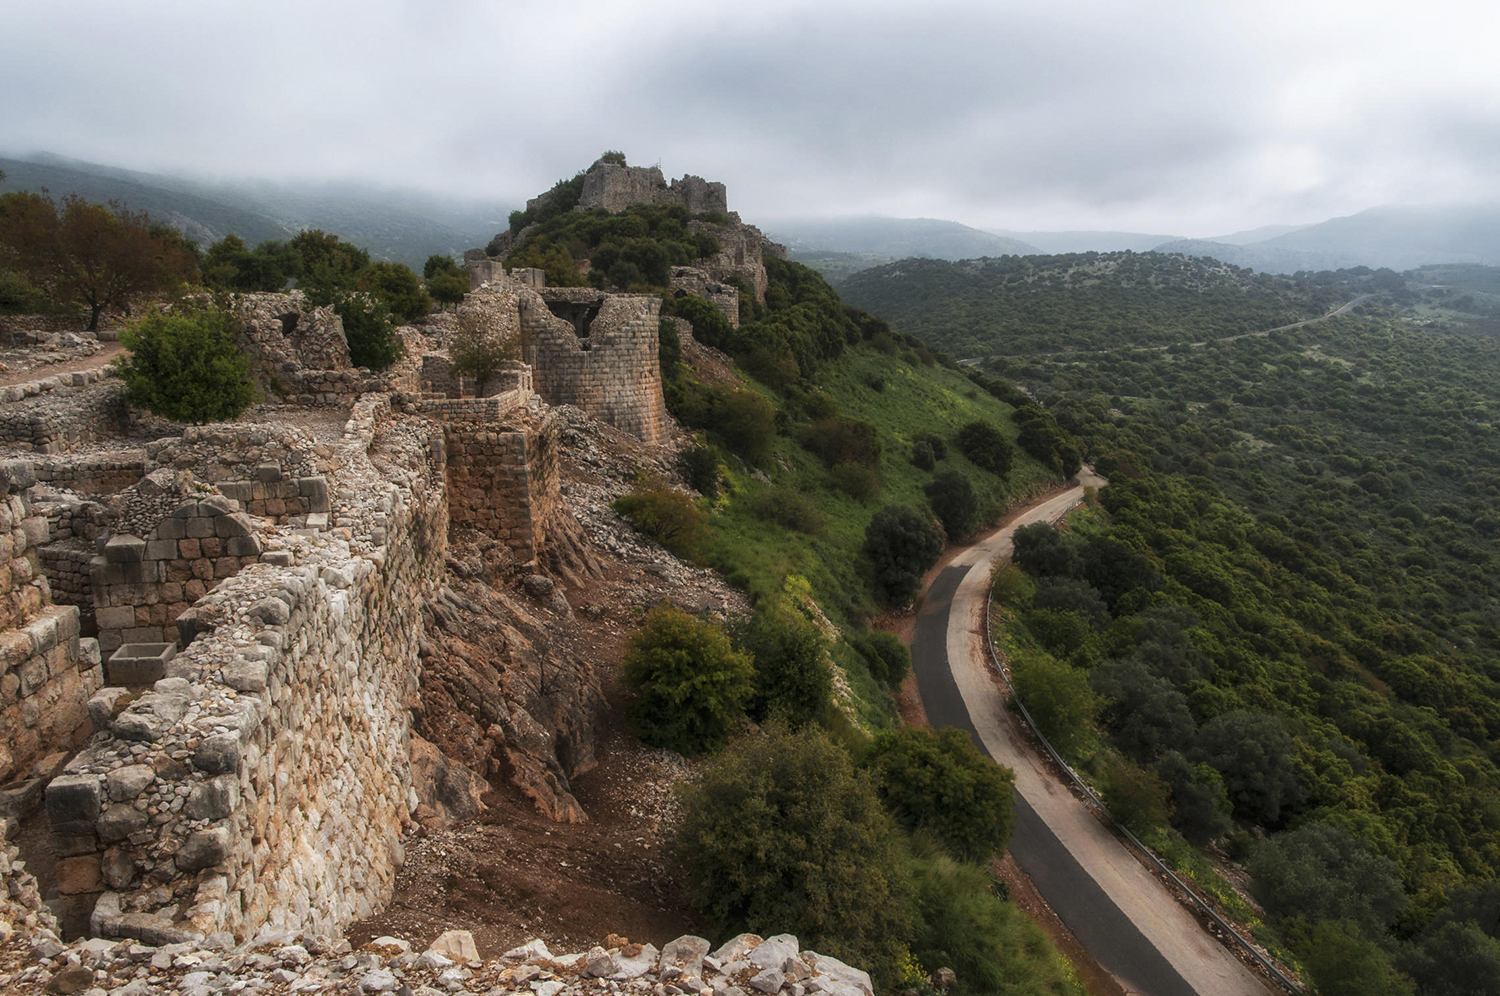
point(265, 777)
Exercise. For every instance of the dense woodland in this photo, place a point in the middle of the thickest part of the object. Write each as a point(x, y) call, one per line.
point(1279, 620)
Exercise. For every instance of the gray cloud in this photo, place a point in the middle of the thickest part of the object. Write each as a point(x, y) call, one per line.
point(1161, 115)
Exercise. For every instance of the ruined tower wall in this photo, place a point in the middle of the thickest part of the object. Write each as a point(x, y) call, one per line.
point(613, 373)
point(614, 188)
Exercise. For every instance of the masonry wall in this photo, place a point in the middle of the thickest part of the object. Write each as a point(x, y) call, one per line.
point(46, 673)
point(502, 479)
point(613, 373)
point(63, 419)
point(267, 779)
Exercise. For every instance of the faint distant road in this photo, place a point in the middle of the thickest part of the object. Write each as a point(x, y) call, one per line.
point(1342, 309)
point(1120, 912)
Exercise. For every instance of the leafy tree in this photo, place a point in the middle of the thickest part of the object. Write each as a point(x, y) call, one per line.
point(1134, 795)
point(793, 680)
point(1071, 595)
point(986, 447)
point(1147, 714)
point(229, 265)
point(1200, 803)
point(954, 502)
point(1323, 872)
point(397, 286)
point(440, 263)
point(781, 833)
point(746, 422)
point(480, 344)
point(1342, 963)
point(940, 782)
point(700, 465)
point(1057, 696)
point(902, 545)
point(1044, 552)
point(922, 455)
point(838, 440)
point(99, 257)
point(856, 480)
point(329, 267)
point(991, 945)
point(1254, 754)
point(369, 331)
point(691, 685)
point(187, 366)
point(1456, 959)
point(448, 288)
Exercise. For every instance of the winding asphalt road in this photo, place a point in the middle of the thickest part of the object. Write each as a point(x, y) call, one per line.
point(1122, 915)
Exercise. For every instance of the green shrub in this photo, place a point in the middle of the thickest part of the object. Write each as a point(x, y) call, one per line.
point(1134, 796)
point(1057, 696)
point(691, 685)
point(885, 655)
point(922, 455)
point(991, 945)
point(1342, 963)
point(399, 288)
point(855, 480)
point(793, 680)
point(901, 545)
point(369, 332)
point(747, 424)
point(1323, 872)
point(986, 447)
point(939, 781)
point(1200, 804)
point(843, 440)
point(187, 366)
point(700, 465)
point(669, 517)
point(780, 833)
point(788, 507)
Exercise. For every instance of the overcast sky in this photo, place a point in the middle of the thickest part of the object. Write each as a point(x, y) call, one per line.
point(1193, 118)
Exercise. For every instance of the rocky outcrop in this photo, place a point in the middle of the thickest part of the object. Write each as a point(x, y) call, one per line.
point(280, 960)
point(498, 692)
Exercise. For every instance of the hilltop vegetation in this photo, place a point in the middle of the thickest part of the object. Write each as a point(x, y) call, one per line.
point(1087, 301)
point(1280, 618)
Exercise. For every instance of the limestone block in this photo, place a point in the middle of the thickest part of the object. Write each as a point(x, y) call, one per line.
point(125, 549)
point(219, 754)
point(203, 849)
point(74, 799)
point(238, 524)
point(126, 783)
point(119, 822)
point(213, 799)
point(200, 528)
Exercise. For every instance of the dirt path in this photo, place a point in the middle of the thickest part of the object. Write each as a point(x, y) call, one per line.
point(107, 352)
point(1126, 919)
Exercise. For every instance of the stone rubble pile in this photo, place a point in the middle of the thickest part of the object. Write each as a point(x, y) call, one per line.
point(279, 961)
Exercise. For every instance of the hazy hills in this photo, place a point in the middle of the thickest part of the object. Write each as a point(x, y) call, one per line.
point(1401, 238)
point(398, 225)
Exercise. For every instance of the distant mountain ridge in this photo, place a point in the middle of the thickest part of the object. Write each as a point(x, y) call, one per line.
point(397, 225)
point(895, 238)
